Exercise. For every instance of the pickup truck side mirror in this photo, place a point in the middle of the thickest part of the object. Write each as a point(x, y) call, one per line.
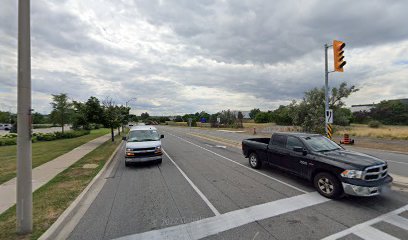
point(162, 136)
point(301, 150)
point(124, 138)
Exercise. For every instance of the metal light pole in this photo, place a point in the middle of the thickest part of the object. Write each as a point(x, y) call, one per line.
point(24, 186)
point(130, 100)
point(127, 105)
point(326, 85)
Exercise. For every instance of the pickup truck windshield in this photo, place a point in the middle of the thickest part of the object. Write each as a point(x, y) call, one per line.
point(321, 144)
point(143, 136)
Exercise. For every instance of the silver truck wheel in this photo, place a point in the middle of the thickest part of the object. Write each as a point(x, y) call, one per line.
point(254, 162)
point(328, 185)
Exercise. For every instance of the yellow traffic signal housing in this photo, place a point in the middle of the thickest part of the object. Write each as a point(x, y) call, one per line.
point(338, 55)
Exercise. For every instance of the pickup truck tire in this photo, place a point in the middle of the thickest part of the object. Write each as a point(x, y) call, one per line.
point(254, 161)
point(127, 164)
point(159, 161)
point(328, 185)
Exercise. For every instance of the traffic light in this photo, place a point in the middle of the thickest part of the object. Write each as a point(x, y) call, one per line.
point(338, 51)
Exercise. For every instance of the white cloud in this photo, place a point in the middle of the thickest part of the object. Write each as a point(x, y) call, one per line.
point(186, 56)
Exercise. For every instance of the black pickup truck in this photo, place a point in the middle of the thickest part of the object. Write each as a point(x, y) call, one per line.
point(333, 170)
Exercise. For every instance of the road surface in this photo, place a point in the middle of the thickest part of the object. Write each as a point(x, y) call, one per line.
point(204, 190)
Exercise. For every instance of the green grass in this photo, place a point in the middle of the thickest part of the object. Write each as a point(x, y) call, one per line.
point(42, 152)
point(51, 200)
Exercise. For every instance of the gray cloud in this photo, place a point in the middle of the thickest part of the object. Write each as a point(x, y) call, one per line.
point(187, 56)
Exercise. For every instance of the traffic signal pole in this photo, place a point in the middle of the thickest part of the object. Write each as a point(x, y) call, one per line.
point(326, 85)
point(24, 163)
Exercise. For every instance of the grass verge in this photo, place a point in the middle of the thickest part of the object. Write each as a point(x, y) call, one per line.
point(42, 152)
point(384, 131)
point(51, 200)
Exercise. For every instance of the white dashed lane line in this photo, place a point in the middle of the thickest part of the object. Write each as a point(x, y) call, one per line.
point(251, 169)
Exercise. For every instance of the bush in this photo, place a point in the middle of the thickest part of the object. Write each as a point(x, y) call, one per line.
point(374, 124)
point(10, 135)
point(46, 136)
point(8, 141)
point(263, 117)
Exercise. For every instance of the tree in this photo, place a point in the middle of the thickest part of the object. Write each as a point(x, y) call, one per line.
point(133, 118)
point(111, 116)
point(213, 120)
point(253, 113)
point(6, 117)
point(79, 116)
point(263, 117)
point(144, 116)
point(124, 115)
point(60, 109)
point(94, 110)
point(178, 118)
point(343, 117)
point(310, 112)
point(204, 115)
point(391, 112)
point(282, 116)
point(240, 117)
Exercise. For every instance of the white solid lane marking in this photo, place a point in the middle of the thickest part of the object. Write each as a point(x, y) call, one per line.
point(229, 131)
point(398, 221)
point(369, 233)
point(213, 225)
point(363, 225)
point(397, 162)
point(205, 199)
point(263, 174)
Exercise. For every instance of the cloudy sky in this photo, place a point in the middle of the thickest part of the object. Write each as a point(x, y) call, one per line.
point(182, 56)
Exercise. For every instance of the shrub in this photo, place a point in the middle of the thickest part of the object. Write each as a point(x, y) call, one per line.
point(10, 135)
point(8, 141)
point(374, 124)
point(263, 117)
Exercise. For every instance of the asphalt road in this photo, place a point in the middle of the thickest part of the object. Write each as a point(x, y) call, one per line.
point(398, 162)
point(205, 190)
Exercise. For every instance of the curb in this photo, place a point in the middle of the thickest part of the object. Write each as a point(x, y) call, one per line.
point(55, 230)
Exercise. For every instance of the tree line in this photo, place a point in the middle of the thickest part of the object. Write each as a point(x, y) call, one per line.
point(389, 112)
point(89, 114)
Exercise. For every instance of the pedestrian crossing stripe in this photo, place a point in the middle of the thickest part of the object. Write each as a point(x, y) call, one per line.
point(367, 231)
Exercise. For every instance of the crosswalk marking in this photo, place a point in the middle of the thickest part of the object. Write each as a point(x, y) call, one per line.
point(369, 233)
point(366, 231)
point(398, 221)
point(230, 220)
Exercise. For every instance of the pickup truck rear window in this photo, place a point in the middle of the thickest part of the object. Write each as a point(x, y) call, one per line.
point(279, 140)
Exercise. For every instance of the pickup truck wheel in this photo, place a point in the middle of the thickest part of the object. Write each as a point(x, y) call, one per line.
point(254, 161)
point(328, 185)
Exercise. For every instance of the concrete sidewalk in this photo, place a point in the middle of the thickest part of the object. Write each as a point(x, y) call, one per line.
point(44, 173)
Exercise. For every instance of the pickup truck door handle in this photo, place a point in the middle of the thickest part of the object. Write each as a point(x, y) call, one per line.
point(303, 162)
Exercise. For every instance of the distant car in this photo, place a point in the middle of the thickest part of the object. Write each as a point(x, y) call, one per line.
point(333, 169)
point(5, 126)
point(143, 144)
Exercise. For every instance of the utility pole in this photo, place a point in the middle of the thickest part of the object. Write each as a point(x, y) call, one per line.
point(24, 163)
point(339, 63)
point(326, 86)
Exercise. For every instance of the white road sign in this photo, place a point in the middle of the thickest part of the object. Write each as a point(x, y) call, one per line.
point(329, 116)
